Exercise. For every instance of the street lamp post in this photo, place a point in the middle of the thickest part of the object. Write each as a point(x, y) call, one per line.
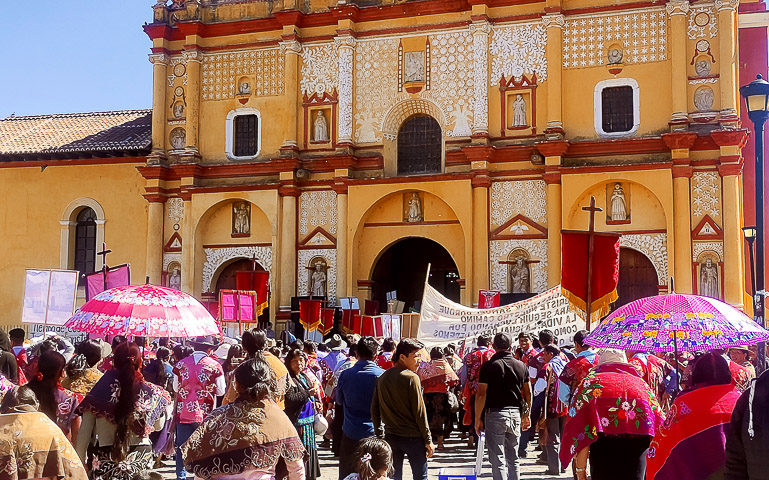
point(756, 95)
point(750, 236)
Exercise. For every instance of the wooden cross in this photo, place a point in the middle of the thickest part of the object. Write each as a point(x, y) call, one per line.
point(104, 268)
point(590, 246)
point(253, 263)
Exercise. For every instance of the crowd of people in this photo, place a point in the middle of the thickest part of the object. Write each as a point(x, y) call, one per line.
point(257, 408)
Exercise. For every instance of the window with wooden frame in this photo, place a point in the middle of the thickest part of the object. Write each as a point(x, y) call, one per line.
point(617, 109)
point(246, 141)
point(85, 242)
point(420, 146)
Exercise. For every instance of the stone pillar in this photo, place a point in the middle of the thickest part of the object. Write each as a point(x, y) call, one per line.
point(554, 52)
point(730, 143)
point(345, 45)
point(727, 49)
point(677, 10)
point(287, 240)
point(553, 152)
point(679, 144)
point(341, 240)
point(480, 30)
point(159, 78)
point(291, 48)
point(155, 240)
point(480, 279)
point(188, 249)
point(193, 56)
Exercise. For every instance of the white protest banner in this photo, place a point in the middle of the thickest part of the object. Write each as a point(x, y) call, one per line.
point(444, 321)
point(49, 296)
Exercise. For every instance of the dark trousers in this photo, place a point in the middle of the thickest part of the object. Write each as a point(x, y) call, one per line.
point(536, 411)
point(619, 456)
point(336, 429)
point(554, 428)
point(183, 432)
point(346, 456)
point(412, 447)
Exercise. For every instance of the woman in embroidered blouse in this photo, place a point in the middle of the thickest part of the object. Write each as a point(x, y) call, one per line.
point(118, 415)
point(55, 401)
point(82, 373)
point(245, 439)
point(301, 406)
point(437, 377)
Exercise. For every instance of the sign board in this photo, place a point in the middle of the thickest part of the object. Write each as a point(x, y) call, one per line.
point(49, 296)
point(443, 321)
point(74, 336)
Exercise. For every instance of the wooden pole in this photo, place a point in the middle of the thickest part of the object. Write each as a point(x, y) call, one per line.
point(590, 248)
point(104, 268)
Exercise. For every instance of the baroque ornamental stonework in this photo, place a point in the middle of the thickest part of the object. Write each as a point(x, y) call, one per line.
point(221, 71)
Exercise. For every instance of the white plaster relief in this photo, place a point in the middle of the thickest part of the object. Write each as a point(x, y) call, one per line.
point(302, 274)
point(173, 62)
point(706, 195)
point(221, 71)
point(345, 61)
point(216, 257)
point(376, 86)
point(317, 209)
point(452, 84)
point(698, 248)
point(480, 33)
point(499, 251)
point(320, 69)
point(517, 50)
point(526, 197)
point(703, 22)
point(169, 258)
point(654, 246)
point(175, 209)
point(642, 34)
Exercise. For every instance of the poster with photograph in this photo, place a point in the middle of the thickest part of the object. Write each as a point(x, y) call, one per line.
point(49, 296)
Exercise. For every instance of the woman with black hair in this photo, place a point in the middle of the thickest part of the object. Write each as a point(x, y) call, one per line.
point(118, 416)
point(302, 404)
point(159, 371)
point(255, 342)
point(82, 373)
point(55, 401)
point(249, 437)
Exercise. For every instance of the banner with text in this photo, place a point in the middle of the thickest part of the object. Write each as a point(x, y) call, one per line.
point(444, 321)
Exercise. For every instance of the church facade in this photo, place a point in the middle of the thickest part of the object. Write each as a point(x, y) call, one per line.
point(343, 146)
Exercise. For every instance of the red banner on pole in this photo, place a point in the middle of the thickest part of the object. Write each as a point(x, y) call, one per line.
point(237, 306)
point(259, 282)
point(488, 298)
point(115, 277)
point(327, 316)
point(310, 314)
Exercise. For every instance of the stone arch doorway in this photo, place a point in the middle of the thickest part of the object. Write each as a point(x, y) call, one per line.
point(402, 267)
point(637, 277)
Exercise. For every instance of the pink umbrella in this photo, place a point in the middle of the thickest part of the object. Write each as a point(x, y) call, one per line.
point(144, 310)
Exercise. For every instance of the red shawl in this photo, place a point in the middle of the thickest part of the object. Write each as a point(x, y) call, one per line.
point(437, 376)
point(692, 442)
point(473, 362)
point(614, 400)
point(575, 371)
point(653, 371)
point(741, 376)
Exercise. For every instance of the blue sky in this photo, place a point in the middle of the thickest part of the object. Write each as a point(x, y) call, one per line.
point(74, 56)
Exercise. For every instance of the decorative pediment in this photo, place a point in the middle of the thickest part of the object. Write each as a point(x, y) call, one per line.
point(318, 238)
point(174, 243)
point(520, 226)
point(707, 229)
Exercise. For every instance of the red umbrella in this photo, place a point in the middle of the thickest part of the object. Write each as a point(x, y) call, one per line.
point(144, 310)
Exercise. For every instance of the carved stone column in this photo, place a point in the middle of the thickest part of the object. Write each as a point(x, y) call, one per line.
point(287, 239)
point(291, 48)
point(159, 78)
point(155, 239)
point(341, 240)
point(345, 45)
point(727, 48)
point(194, 57)
point(480, 31)
point(188, 249)
point(553, 152)
point(677, 10)
point(554, 52)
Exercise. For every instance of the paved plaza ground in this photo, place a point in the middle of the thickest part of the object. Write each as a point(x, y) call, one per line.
point(456, 454)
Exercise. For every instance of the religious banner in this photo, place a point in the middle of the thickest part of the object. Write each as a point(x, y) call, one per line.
point(237, 306)
point(443, 321)
point(257, 281)
point(488, 298)
point(310, 314)
point(604, 271)
point(327, 320)
point(49, 296)
point(98, 282)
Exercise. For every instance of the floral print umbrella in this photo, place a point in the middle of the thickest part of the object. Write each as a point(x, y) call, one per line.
point(144, 310)
point(666, 323)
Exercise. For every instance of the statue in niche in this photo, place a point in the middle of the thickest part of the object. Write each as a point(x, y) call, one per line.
point(519, 276)
point(320, 127)
point(175, 280)
point(318, 281)
point(415, 209)
point(702, 67)
point(241, 219)
point(178, 138)
point(709, 279)
point(179, 110)
point(519, 111)
point(244, 88)
point(614, 56)
point(703, 98)
point(461, 118)
point(618, 205)
point(413, 67)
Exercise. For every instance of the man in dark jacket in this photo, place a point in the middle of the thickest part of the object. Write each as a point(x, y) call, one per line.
point(747, 444)
point(8, 366)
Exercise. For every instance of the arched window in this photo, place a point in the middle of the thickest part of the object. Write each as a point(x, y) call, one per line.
point(419, 146)
point(85, 241)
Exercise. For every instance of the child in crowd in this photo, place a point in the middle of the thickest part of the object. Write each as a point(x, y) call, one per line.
point(374, 460)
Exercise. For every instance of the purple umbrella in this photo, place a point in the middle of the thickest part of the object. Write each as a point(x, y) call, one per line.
point(666, 323)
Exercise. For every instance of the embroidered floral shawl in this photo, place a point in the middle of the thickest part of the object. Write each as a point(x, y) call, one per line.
point(741, 376)
point(150, 406)
point(32, 446)
point(437, 376)
point(692, 443)
point(84, 382)
point(612, 399)
point(653, 370)
point(577, 369)
point(5, 385)
point(240, 436)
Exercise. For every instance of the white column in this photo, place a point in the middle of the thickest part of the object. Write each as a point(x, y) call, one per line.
point(345, 45)
point(480, 31)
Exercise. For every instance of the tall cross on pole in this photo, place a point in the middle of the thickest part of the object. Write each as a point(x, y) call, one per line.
point(104, 268)
point(590, 245)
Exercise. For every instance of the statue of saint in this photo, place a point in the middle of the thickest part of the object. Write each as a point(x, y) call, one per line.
point(179, 110)
point(414, 68)
point(318, 281)
point(520, 276)
point(241, 223)
point(618, 205)
point(415, 209)
point(175, 280)
point(320, 127)
point(244, 88)
point(709, 279)
point(519, 111)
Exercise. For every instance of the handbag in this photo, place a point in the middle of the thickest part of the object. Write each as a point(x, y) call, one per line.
point(453, 402)
point(320, 424)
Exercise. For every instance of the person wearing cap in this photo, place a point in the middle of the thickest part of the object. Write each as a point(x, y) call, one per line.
point(199, 380)
point(741, 356)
